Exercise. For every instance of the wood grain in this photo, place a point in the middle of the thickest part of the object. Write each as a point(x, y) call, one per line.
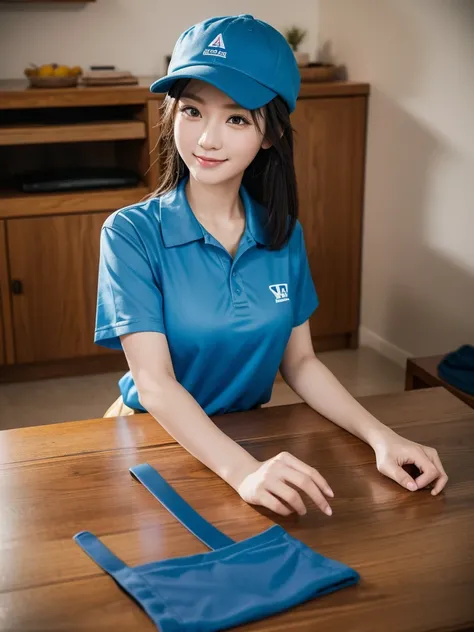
point(7, 351)
point(329, 162)
point(15, 93)
point(55, 319)
point(404, 412)
point(412, 550)
point(98, 131)
point(18, 205)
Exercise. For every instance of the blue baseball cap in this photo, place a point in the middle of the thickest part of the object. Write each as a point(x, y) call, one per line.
point(246, 58)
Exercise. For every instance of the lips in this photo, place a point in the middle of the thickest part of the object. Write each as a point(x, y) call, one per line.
point(208, 162)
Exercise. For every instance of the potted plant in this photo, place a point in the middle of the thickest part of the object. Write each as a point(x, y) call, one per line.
point(294, 37)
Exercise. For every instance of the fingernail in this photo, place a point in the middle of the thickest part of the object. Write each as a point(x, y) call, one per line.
point(328, 511)
point(330, 492)
point(412, 487)
point(433, 492)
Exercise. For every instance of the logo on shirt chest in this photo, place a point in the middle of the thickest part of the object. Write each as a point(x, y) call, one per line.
point(280, 292)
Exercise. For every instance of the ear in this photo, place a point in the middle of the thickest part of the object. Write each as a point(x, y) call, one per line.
point(266, 144)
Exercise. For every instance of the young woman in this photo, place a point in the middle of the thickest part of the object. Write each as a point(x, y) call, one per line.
point(206, 285)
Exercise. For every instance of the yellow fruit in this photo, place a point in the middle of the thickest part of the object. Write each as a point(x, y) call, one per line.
point(61, 71)
point(75, 71)
point(47, 70)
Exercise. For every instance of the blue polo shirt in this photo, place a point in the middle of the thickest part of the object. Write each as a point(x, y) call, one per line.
point(227, 320)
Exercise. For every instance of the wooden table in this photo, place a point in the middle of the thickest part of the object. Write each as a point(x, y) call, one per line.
point(415, 553)
point(423, 373)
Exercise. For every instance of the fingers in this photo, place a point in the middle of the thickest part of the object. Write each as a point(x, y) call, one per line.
point(429, 472)
point(319, 480)
point(307, 484)
point(268, 500)
point(443, 479)
point(399, 475)
point(428, 463)
point(289, 495)
point(283, 478)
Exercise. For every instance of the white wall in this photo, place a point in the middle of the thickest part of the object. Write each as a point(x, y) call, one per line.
point(134, 35)
point(418, 259)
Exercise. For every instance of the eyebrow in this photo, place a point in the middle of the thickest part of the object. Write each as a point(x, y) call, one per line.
point(227, 106)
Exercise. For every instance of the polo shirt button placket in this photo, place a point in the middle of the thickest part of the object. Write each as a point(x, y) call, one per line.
point(236, 289)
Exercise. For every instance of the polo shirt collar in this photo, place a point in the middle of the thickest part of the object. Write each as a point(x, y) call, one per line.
point(180, 226)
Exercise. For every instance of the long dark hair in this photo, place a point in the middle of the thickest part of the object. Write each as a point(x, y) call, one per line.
point(270, 179)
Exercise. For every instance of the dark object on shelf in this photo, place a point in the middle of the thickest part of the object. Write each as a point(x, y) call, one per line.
point(317, 71)
point(457, 368)
point(108, 78)
point(79, 179)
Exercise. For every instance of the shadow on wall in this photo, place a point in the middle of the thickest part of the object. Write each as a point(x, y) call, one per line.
point(426, 291)
point(364, 28)
point(418, 264)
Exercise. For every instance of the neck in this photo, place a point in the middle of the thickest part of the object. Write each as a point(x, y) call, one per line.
point(215, 202)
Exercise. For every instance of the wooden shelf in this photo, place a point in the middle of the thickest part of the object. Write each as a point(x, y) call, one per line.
point(14, 93)
point(77, 133)
point(14, 204)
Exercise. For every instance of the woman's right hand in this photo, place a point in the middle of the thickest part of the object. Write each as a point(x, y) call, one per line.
point(275, 480)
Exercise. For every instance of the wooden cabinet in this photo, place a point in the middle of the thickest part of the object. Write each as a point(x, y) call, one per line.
point(49, 242)
point(3, 272)
point(53, 276)
point(6, 341)
point(329, 159)
point(2, 341)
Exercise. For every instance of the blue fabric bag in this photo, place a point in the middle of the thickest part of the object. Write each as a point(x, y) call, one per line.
point(235, 583)
point(457, 368)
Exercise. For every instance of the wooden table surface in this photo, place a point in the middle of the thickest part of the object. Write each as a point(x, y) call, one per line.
point(415, 553)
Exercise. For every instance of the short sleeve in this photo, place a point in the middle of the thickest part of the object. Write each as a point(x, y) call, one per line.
point(305, 299)
point(129, 298)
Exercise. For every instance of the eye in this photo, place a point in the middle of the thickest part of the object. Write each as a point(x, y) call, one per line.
point(238, 120)
point(190, 111)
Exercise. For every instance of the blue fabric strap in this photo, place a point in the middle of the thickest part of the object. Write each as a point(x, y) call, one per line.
point(179, 508)
point(101, 555)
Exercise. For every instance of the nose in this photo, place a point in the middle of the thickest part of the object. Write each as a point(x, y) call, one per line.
point(210, 138)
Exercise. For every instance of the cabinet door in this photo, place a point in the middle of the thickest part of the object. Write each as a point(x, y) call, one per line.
point(6, 334)
point(3, 288)
point(53, 275)
point(329, 157)
point(3, 358)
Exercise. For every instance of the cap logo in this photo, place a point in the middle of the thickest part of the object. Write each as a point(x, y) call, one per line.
point(216, 48)
point(217, 42)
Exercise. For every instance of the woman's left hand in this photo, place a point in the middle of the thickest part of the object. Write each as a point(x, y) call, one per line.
point(393, 451)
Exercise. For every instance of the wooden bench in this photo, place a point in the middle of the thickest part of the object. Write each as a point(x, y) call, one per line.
point(423, 373)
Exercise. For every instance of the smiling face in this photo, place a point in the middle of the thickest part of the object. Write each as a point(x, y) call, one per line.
point(216, 138)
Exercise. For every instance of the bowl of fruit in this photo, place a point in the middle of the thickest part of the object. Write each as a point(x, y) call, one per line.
point(53, 76)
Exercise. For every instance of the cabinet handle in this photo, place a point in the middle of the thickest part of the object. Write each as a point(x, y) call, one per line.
point(17, 287)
